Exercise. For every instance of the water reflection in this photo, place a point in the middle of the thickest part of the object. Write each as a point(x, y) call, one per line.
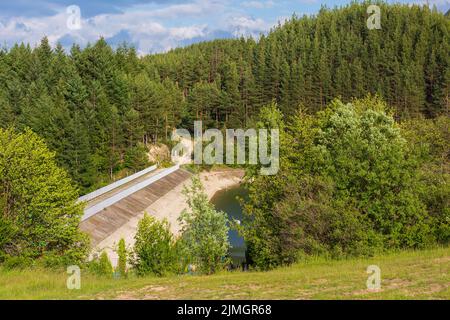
point(226, 200)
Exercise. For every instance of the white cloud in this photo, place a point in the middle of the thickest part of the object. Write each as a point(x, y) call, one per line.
point(258, 4)
point(247, 26)
point(154, 28)
point(31, 30)
point(196, 8)
point(437, 2)
point(191, 32)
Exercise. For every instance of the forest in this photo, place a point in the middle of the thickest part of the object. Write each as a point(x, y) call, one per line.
point(98, 107)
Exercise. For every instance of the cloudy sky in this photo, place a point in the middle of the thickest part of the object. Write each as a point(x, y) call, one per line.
point(150, 25)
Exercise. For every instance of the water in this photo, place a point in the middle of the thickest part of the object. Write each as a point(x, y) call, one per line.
point(226, 201)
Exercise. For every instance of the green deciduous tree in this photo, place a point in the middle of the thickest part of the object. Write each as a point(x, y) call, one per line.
point(38, 199)
point(347, 185)
point(204, 233)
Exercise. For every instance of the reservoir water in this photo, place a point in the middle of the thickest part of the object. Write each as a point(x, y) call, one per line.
point(227, 201)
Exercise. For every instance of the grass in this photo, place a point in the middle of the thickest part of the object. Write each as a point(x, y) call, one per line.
point(405, 275)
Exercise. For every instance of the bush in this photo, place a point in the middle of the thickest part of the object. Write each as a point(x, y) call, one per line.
point(54, 261)
point(204, 234)
point(7, 232)
point(101, 265)
point(154, 248)
point(361, 149)
point(429, 144)
point(314, 223)
point(123, 255)
point(17, 262)
point(105, 266)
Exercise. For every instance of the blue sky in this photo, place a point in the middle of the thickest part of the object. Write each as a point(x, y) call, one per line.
point(152, 26)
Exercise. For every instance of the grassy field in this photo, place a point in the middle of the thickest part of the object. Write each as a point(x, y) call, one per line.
point(405, 275)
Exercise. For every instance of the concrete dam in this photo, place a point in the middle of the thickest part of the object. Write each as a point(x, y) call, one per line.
point(113, 212)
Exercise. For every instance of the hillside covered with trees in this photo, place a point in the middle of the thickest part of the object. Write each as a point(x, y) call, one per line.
point(97, 107)
point(363, 119)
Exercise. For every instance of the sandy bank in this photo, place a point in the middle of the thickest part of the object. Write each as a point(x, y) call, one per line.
point(170, 207)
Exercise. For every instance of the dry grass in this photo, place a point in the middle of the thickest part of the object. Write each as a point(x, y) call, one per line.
point(405, 275)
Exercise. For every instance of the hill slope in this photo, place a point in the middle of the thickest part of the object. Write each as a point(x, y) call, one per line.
point(95, 106)
point(406, 275)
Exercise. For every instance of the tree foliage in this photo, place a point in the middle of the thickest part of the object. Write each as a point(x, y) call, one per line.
point(349, 184)
point(154, 248)
point(204, 233)
point(429, 141)
point(123, 258)
point(39, 213)
point(101, 265)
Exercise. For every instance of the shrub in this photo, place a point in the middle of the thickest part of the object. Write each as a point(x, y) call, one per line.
point(54, 261)
point(429, 144)
point(101, 265)
point(154, 248)
point(361, 149)
point(7, 232)
point(17, 262)
point(105, 264)
point(123, 255)
point(314, 223)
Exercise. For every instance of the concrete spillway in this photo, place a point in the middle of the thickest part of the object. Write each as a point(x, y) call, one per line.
point(108, 210)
